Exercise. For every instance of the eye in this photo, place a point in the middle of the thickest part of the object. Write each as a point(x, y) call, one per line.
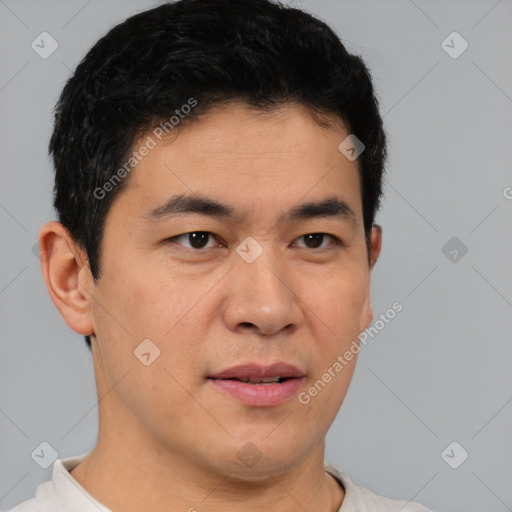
point(197, 239)
point(315, 240)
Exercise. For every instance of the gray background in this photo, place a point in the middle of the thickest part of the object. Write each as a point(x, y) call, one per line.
point(438, 373)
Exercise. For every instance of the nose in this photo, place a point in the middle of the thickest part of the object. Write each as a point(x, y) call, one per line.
point(261, 298)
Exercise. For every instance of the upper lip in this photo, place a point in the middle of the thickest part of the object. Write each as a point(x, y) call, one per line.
point(258, 371)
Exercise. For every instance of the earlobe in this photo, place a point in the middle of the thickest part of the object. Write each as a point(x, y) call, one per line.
point(67, 276)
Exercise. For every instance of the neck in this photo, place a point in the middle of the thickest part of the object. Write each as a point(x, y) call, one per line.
point(130, 481)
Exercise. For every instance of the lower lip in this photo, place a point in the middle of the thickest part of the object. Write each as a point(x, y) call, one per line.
point(260, 395)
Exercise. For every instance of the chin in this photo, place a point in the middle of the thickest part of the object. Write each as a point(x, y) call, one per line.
point(257, 457)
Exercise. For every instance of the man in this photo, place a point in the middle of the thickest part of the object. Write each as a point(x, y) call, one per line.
point(218, 171)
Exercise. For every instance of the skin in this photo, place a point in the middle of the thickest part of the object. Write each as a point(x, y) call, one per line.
point(164, 426)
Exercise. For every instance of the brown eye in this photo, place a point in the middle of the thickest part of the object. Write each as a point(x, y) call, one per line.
point(315, 240)
point(196, 239)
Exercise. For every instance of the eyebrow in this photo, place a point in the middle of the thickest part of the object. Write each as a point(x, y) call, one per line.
point(200, 205)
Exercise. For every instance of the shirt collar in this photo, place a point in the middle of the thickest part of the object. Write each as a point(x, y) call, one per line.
point(71, 493)
point(351, 496)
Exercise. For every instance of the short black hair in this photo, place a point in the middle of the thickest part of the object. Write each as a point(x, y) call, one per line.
point(201, 53)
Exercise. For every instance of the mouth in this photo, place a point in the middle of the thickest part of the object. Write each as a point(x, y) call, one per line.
point(263, 381)
point(260, 374)
point(258, 385)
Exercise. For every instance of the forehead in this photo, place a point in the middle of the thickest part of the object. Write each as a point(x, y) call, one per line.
point(246, 158)
point(235, 127)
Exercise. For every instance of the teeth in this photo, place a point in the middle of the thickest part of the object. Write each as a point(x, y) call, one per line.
point(263, 380)
point(270, 379)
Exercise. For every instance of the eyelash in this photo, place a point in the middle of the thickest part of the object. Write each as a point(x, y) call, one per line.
point(336, 242)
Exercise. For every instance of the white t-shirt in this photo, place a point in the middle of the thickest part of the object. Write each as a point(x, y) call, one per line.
point(64, 494)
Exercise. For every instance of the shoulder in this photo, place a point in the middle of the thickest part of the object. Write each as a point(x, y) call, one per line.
point(361, 499)
point(61, 493)
point(25, 506)
point(46, 498)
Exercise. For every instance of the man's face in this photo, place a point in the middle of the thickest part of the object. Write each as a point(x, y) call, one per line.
point(208, 307)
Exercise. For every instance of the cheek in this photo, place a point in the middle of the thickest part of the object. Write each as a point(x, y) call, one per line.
point(341, 305)
point(322, 398)
point(342, 310)
point(143, 302)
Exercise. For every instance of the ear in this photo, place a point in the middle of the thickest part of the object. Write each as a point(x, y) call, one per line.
point(67, 276)
point(375, 247)
point(375, 244)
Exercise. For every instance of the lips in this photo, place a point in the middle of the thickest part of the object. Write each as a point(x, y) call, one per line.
point(259, 386)
point(259, 374)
